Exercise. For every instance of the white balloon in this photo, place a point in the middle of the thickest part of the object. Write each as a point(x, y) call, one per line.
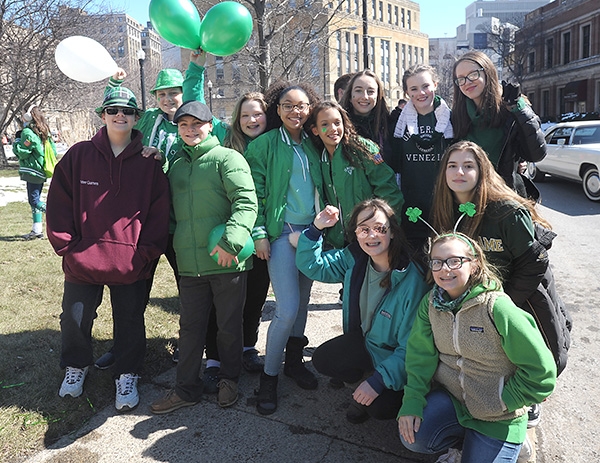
point(84, 60)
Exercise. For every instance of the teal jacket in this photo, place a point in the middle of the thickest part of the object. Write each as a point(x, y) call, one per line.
point(534, 375)
point(271, 159)
point(346, 185)
point(29, 149)
point(210, 185)
point(391, 325)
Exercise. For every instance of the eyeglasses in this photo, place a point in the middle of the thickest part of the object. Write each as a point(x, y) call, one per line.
point(362, 231)
point(471, 77)
point(113, 111)
point(453, 263)
point(288, 108)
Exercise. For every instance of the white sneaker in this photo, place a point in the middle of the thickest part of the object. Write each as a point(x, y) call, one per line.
point(73, 382)
point(127, 396)
point(526, 451)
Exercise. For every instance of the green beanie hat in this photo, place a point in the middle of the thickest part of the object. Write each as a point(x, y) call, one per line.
point(168, 78)
point(118, 96)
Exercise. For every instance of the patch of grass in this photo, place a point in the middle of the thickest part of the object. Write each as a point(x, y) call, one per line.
point(9, 171)
point(32, 415)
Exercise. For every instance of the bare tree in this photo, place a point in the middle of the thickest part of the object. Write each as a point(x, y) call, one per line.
point(287, 40)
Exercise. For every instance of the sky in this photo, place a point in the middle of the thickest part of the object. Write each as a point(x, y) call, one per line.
point(439, 18)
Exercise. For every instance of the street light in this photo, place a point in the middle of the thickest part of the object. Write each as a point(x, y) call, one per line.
point(141, 58)
point(326, 55)
point(209, 84)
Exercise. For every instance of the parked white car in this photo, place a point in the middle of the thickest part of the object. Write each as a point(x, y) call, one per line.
point(573, 154)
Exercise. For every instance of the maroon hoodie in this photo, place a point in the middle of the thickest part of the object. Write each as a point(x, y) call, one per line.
point(108, 217)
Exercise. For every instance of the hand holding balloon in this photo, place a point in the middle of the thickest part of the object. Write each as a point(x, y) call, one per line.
point(223, 258)
point(215, 250)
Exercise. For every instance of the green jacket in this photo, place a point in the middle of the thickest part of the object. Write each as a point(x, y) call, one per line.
point(29, 149)
point(210, 185)
point(450, 348)
point(156, 128)
point(271, 158)
point(387, 337)
point(345, 186)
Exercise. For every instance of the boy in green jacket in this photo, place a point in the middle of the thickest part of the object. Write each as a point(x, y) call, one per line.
point(210, 185)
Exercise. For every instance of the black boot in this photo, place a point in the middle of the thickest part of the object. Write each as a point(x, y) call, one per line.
point(294, 363)
point(266, 403)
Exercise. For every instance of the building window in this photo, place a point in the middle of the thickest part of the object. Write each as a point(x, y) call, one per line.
point(338, 37)
point(410, 62)
point(356, 52)
point(531, 62)
point(395, 15)
point(402, 22)
point(389, 13)
point(381, 11)
point(403, 57)
point(585, 41)
point(549, 53)
point(480, 41)
point(408, 19)
point(422, 56)
point(566, 44)
point(220, 73)
point(356, 8)
point(385, 61)
point(397, 62)
point(372, 52)
point(348, 57)
point(374, 5)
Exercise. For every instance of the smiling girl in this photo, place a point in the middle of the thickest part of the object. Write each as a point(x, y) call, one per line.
point(497, 118)
point(421, 135)
point(352, 166)
point(486, 355)
point(383, 288)
point(287, 177)
point(365, 104)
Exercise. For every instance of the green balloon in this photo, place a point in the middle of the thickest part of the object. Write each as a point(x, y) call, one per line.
point(215, 235)
point(226, 29)
point(176, 21)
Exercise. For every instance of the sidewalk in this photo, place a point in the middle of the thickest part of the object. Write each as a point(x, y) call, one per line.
point(309, 426)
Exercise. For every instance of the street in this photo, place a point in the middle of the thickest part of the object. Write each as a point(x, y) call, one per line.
point(570, 417)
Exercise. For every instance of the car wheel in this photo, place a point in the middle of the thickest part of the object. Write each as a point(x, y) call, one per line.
point(591, 184)
point(534, 173)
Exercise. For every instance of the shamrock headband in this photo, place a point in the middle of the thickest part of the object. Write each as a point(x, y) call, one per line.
point(414, 214)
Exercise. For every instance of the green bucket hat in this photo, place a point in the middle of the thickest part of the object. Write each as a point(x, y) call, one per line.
point(119, 96)
point(168, 78)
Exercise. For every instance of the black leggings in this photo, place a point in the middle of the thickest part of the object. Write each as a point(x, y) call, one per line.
point(346, 357)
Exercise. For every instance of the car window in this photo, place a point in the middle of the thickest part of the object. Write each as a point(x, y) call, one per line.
point(561, 133)
point(586, 135)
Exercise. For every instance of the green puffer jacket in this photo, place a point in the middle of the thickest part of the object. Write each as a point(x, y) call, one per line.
point(29, 149)
point(271, 159)
point(210, 185)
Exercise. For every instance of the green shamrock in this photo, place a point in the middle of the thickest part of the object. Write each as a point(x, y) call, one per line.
point(467, 208)
point(413, 213)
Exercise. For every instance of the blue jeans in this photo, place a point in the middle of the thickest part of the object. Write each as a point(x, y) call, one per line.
point(441, 430)
point(34, 197)
point(292, 293)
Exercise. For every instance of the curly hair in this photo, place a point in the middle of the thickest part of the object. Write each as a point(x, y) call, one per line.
point(490, 188)
point(418, 69)
point(277, 91)
point(235, 137)
point(491, 106)
point(353, 148)
point(399, 251)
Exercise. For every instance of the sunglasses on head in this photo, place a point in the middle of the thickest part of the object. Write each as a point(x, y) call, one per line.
point(113, 111)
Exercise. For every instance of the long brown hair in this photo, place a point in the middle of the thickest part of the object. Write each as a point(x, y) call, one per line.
point(353, 149)
point(235, 137)
point(399, 251)
point(381, 109)
point(490, 188)
point(491, 108)
point(39, 124)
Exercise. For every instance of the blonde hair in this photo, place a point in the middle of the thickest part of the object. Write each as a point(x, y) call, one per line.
point(235, 137)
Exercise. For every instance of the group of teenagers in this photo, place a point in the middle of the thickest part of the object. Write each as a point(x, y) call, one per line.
point(451, 320)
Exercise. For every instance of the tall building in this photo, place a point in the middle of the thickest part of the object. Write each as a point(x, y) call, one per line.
point(331, 38)
point(562, 69)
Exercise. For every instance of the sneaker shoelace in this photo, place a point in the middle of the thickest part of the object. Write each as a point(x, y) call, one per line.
point(73, 375)
point(126, 384)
